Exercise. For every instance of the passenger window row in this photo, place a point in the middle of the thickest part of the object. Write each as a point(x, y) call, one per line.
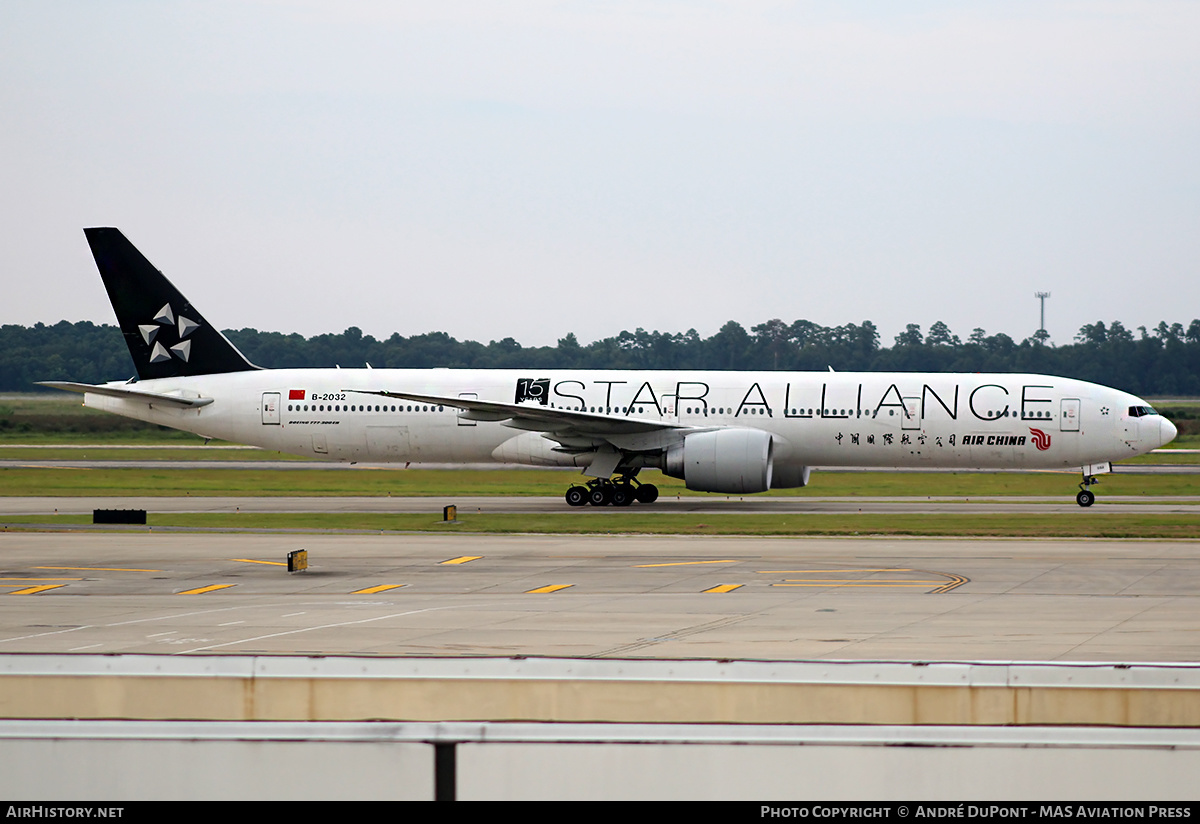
point(364, 408)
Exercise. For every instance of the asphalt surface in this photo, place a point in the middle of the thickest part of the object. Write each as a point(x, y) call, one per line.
point(602, 596)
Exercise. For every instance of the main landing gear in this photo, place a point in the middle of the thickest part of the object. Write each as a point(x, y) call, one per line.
point(622, 491)
point(1086, 497)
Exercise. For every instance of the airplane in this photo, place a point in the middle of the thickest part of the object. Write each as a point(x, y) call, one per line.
point(719, 431)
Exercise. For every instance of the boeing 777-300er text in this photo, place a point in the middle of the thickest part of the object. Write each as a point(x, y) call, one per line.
point(729, 432)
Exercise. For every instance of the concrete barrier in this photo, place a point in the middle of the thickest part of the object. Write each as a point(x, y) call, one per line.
point(110, 761)
point(270, 688)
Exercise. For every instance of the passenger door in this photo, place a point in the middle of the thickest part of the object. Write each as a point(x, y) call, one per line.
point(1068, 419)
point(270, 408)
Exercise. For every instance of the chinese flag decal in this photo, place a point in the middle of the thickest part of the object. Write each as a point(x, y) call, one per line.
point(296, 395)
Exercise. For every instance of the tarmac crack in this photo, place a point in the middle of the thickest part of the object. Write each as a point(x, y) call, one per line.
point(686, 632)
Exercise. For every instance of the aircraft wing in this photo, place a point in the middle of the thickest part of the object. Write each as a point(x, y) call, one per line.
point(128, 394)
point(569, 427)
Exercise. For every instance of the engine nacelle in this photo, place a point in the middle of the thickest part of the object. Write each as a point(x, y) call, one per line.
point(790, 476)
point(735, 461)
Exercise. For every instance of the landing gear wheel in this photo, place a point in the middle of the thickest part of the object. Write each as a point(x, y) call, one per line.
point(599, 496)
point(577, 495)
point(647, 494)
point(1086, 497)
point(622, 495)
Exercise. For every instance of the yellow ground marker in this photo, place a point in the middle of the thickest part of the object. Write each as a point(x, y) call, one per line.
point(203, 590)
point(373, 590)
point(724, 588)
point(682, 563)
point(550, 588)
point(252, 561)
point(36, 579)
point(463, 560)
point(36, 590)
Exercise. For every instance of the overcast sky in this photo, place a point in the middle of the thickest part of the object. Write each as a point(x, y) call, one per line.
point(530, 169)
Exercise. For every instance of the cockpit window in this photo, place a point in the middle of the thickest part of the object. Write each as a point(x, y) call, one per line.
point(1139, 411)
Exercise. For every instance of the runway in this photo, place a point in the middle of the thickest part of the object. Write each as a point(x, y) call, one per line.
point(602, 597)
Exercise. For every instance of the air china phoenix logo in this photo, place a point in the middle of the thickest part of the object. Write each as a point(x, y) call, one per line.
point(1040, 439)
point(156, 334)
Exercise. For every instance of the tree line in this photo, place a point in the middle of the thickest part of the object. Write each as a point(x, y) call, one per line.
point(1161, 361)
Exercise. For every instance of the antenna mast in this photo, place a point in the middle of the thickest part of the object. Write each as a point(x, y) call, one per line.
point(1042, 297)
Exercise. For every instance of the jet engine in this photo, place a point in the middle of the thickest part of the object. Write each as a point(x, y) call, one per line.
point(736, 461)
point(790, 476)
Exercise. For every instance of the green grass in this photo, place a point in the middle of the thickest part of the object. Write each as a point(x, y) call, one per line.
point(1165, 458)
point(62, 418)
point(163, 437)
point(613, 522)
point(146, 452)
point(551, 483)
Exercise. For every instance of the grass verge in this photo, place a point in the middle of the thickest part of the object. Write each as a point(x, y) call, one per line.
point(21, 481)
point(143, 452)
point(609, 522)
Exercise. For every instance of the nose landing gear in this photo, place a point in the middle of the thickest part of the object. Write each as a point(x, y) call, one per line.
point(1086, 497)
point(621, 491)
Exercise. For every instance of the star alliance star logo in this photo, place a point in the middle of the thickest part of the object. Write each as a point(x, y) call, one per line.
point(164, 320)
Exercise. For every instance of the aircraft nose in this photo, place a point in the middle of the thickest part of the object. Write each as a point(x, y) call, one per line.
point(1167, 431)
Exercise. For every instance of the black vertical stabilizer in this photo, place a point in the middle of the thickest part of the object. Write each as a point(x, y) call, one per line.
point(165, 334)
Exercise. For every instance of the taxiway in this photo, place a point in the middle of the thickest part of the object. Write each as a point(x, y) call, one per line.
point(602, 596)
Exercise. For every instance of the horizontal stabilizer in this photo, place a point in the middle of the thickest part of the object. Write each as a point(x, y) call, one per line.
point(128, 394)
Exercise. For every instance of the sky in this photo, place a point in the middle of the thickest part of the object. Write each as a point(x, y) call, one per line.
point(530, 169)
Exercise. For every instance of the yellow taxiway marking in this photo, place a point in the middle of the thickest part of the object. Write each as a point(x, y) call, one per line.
point(252, 561)
point(821, 571)
point(861, 584)
point(202, 590)
point(101, 569)
point(912, 581)
point(954, 582)
point(36, 579)
point(724, 588)
point(36, 590)
point(373, 590)
point(944, 584)
point(550, 588)
point(463, 560)
point(682, 563)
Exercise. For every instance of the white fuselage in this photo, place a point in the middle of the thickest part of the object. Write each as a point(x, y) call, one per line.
point(818, 419)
